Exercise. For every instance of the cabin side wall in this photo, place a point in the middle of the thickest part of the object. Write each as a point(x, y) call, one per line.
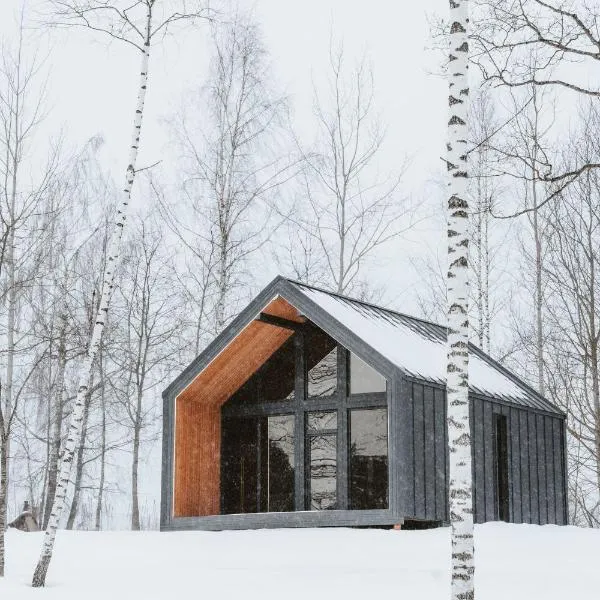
point(536, 463)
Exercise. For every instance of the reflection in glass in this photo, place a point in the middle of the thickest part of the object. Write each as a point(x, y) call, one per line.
point(321, 437)
point(321, 360)
point(368, 459)
point(323, 471)
point(363, 378)
point(321, 420)
point(278, 478)
point(257, 464)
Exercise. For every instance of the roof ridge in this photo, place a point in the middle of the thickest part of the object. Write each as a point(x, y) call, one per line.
point(364, 302)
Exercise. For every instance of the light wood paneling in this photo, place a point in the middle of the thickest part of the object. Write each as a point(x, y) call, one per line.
point(198, 411)
point(242, 357)
point(197, 459)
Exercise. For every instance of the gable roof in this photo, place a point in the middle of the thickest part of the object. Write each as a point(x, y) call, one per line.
point(414, 346)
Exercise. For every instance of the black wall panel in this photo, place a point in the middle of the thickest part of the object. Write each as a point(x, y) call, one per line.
point(535, 459)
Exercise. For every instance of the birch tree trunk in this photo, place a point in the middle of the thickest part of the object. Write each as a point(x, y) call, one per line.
point(135, 501)
point(79, 464)
point(84, 431)
point(459, 435)
point(3, 492)
point(113, 255)
point(56, 421)
point(98, 519)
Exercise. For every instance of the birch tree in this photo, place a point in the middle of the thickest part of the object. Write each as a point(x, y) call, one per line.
point(457, 386)
point(137, 25)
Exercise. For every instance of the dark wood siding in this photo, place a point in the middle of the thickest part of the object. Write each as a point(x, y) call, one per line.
point(429, 448)
point(419, 450)
point(441, 456)
point(535, 459)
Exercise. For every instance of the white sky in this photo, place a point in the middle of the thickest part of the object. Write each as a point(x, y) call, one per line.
point(92, 89)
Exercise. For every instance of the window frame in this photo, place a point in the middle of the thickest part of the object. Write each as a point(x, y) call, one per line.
point(342, 402)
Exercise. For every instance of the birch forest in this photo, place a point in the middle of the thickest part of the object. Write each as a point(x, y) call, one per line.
point(252, 176)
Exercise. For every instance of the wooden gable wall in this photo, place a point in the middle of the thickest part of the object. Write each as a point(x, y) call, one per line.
point(198, 410)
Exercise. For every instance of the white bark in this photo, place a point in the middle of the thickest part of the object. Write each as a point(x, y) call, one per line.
point(3, 492)
point(459, 436)
point(113, 255)
point(56, 418)
point(100, 498)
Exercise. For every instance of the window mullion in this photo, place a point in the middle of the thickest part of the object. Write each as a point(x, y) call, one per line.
point(299, 426)
point(342, 434)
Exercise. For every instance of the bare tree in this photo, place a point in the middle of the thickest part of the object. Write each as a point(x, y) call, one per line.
point(528, 151)
point(349, 210)
point(137, 25)
point(485, 192)
point(572, 265)
point(234, 166)
point(457, 295)
point(559, 33)
point(21, 209)
point(146, 341)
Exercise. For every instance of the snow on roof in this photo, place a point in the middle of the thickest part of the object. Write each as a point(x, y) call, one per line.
point(418, 347)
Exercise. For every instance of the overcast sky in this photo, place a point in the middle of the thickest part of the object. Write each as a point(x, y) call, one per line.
point(92, 90)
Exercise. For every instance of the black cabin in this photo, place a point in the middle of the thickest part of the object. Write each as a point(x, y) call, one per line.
point(314, 409)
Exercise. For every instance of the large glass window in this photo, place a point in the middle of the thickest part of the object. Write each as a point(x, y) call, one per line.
point(368, 459)
point(321, 437)
point(257, 464)
point(240, 465)
point(277, 377)
point(321, 358)
point(363, 378)
point(278, 472)
point(344, 438)
point(275, 381)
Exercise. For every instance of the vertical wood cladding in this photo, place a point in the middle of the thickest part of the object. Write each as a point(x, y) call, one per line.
point(535, 460)
point(197, 459)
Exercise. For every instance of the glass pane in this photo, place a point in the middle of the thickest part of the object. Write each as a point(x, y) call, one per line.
point(320, 421)
point(277, 377)
point(363, 378)
point(278, 478)
point(322, 471)
point(239, 466)
point(368, 459)
point(321, 361)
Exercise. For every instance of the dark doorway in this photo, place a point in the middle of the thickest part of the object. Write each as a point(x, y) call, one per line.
point(501, 467)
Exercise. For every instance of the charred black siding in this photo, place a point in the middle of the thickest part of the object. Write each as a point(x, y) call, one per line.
point(536, 464)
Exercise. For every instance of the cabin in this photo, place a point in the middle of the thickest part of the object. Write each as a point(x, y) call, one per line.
point(315, 409)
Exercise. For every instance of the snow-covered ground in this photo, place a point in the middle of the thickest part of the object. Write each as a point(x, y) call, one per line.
point(513, 561)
